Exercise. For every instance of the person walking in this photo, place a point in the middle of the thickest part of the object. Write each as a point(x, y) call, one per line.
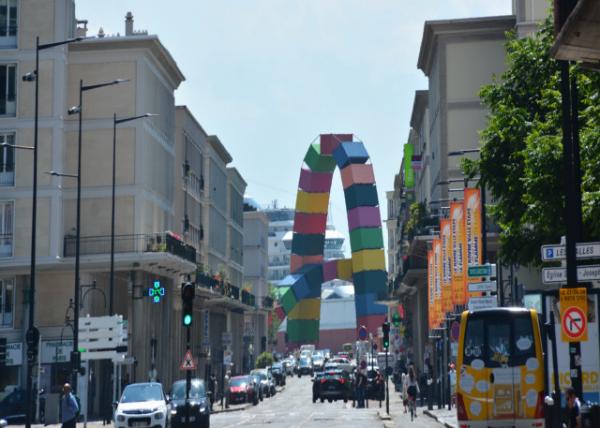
point(69, 408)
point(573, 409)
point(413, 389)
point(405, 391)
point(361, 385)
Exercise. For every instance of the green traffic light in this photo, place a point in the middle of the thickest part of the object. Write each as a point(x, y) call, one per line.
point(187, 319)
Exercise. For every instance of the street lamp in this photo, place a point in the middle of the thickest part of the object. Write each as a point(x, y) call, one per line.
point(112, 220)
point(32, 332)
point(78, 109)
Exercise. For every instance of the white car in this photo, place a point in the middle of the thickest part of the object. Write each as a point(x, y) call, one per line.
point(142, 405)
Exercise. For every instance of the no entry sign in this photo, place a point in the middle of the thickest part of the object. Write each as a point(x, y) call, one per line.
point(573, 314)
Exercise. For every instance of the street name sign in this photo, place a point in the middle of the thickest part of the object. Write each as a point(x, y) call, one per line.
point(482, 270)
point(557, 275)
point(584, 250)
point(475, 287)
point(486, 302)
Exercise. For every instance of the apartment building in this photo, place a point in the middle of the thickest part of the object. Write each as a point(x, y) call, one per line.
point(178, 205)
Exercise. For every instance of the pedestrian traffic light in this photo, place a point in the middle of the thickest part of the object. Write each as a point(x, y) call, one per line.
point(187, 297)
point(396, 319)
point(385, 327)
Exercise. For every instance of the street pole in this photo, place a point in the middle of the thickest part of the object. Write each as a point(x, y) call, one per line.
point(188, 381)
point(571, 213)
point(483, 226)
point(387, 384)
point(112, 219)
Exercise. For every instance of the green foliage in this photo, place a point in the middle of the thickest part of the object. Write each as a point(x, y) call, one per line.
point(521, 155)
point(416, 215)
point(264, 360)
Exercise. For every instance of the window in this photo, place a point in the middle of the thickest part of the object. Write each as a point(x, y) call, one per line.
point(8, 105)
point(7, 296)
point(6, 228)
point(8, 23)
point(7, 160)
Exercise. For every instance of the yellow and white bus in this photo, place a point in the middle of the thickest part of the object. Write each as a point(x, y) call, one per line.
point(500, 369)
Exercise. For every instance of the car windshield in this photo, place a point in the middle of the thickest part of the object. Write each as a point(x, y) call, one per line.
point(304, 361)
point(239, 381)
point(142, 392)
point(261, 375)
point(317, 358)
point(196, 391)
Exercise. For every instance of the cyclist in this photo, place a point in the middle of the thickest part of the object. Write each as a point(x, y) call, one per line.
point(413, 391)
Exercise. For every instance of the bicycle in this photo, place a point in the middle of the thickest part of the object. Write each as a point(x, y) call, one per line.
point(412, 406)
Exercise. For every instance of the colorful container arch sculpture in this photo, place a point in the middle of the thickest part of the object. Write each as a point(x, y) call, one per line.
point(301, 303)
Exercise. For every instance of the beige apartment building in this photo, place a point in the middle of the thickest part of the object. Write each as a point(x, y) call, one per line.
point(178, 205)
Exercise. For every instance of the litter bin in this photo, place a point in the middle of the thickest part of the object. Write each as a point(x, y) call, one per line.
point(586, 416)
point(595, 410)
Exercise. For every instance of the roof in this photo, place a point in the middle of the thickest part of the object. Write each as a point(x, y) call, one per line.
point(152, 42)
point(419, 105)
point(219, 148)
point(187, 111)
point(468, 26)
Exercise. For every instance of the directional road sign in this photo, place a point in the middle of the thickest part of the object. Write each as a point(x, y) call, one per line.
point(574, 323)
point(556, 275)
point(573, 314)
point(482, 270)
point(584, 250)
point(483, 286)
point(476, 303)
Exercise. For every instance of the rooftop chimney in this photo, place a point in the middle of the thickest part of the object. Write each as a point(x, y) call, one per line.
point(129, 24)
point(81, 28)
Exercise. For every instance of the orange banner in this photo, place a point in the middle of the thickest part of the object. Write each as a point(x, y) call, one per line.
point(437, 261)
point(459, 253)
point(430, 289)
point(445, 236)
point(472, 204)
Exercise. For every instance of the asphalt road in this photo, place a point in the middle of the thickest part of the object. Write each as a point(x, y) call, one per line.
point(293, 408)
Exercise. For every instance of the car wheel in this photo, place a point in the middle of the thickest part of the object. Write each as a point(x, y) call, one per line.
point(299, 375)
point(322, 400)
point(345, 399)
point(330, 400)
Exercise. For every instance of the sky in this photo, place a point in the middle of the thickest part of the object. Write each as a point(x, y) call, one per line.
point(269, 76)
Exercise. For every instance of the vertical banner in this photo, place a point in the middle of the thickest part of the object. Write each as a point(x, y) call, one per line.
point(430, 289)
point(472, 204)
point(437, 262)
point(459, 251)
point(409, 173)
point(445, 237)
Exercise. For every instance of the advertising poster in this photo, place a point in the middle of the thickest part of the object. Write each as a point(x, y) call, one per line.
point(458, 255)
point(430, 289)
point(472, 207)
point(409, 173)
point(590, 349)
point(445, 237)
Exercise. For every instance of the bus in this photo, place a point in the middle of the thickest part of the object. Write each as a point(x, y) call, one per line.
point(500, 369)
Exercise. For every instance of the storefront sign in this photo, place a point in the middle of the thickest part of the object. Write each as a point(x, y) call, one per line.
point(14, 354)
point(56, 351)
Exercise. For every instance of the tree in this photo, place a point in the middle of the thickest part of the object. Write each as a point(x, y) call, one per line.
point(521, 160)
point(264, 360)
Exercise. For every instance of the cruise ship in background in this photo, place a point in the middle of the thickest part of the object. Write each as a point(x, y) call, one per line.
point(338, 314)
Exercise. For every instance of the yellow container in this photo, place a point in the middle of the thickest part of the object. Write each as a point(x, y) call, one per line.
point(344, 269)
point(306, 309)
point(368, 260)
point(312, 202)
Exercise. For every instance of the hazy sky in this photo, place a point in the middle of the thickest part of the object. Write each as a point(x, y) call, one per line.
point(268, 76)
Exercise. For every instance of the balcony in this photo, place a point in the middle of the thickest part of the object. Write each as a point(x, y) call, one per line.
point(146, 249)
point(6, 245)
point(231, 294)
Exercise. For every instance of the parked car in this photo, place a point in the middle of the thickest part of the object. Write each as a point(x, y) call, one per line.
point(257, 385)
point(242, 390)
point(199, 404)
point(266, 382)
point(12, 407)
point(318, 362)
point(316, 386)
point(334, 385)
point(142, 405)
point(305, 366)
point(375, 391)
point(288, 365)
point(278, 371)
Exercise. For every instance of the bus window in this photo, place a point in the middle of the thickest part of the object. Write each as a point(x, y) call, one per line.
point(498, 334)
point(524, 347)
point(474, 341)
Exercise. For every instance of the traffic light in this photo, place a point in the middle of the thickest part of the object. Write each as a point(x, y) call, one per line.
point(385, 327)
point(396, 319)
point(187, 297)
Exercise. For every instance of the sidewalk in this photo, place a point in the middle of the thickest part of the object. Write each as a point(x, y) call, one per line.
point(444, 416)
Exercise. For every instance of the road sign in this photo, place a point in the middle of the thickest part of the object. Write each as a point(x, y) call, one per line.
point(556, 275)
point(188, 362)
point(482, 270)
point(573, 314)
point(102, 338)
point(226, 338)
point(362, 333)
point(483, 286)
point(583, 250)
point(476, 303)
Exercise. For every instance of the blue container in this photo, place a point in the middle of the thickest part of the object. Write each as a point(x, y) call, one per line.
point(308, 244)
point(347, 153)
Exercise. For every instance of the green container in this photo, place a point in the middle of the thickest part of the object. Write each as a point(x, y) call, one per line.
point(288, 301)
point(365, 238)
point(303, 330)
point(318, 162)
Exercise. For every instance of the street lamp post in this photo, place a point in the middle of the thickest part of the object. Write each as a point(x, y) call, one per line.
point(32, 332)
point(112, 218)
point(75, 355)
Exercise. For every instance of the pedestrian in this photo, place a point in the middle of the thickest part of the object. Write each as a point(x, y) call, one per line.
point(413, 386)
point(452, 376)
point(212, 389)
point(573, 409)
point(226, 388)
point(69, 408)
point(405, 391)
point(361, 385)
